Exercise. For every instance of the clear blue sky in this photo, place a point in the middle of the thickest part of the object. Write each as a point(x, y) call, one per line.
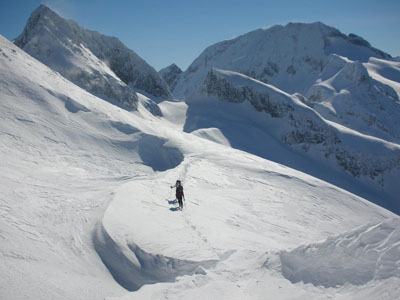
point(167, 31)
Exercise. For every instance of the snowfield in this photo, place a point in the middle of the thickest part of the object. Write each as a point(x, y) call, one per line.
point(87, 210)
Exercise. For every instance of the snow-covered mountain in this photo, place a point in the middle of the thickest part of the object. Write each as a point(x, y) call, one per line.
point(337, 73)
point(171, 75)
point(100, 64)
point(289, 57)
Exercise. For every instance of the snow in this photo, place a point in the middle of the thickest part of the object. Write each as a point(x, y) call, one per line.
point(356, 257)
point(355, 95)
point(87, 211)
point(385, 71)
point(289, 57)
point(278, 117)
point(174, 112)
point(306, 78)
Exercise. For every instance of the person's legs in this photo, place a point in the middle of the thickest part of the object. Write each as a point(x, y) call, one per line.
point(180, 201)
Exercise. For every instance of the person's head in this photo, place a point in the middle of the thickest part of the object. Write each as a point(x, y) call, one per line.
point(178, 182)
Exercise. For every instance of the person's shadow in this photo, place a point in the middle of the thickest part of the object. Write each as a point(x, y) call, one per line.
point(173, 202)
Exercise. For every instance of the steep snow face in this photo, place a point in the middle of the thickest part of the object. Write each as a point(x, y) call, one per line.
point(289, 57)
point(289, 121)
point(100, 64)
point(171, 75)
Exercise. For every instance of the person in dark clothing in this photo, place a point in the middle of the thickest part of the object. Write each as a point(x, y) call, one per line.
point(179, 193)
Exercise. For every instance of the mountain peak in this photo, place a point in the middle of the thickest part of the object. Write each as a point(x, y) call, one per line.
point(43, 8)
point(75, 52)
point(45, 11)
point(171, 75)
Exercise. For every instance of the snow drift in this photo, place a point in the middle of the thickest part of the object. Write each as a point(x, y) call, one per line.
point(132, 267)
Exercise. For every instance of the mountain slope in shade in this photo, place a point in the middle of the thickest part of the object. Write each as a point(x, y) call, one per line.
point(100, 64)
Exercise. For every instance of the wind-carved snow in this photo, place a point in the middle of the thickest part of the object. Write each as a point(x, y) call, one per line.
point(155, 153)
point(132, 267)
point(100, 64)
point(212, 134)
point(357, 257)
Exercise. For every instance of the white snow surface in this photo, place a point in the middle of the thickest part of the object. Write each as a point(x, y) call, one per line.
point(87, 211)
point(357, 257)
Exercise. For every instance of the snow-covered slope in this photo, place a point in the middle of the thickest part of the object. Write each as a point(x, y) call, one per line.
point(365, 254)
point(171, 75)
point(364, 97)
point(86, 206)
point(277, 120)
point(100, 64)
point(351, 90)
